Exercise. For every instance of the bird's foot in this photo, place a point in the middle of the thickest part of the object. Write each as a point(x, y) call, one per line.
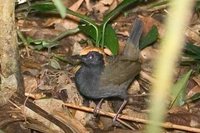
point(96, 111)
point(97, 108)
point(115, 118)
point(119, 111)
point(115, 122)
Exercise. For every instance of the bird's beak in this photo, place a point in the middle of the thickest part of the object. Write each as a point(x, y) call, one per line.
point(83, 58)
point(76, 59)
point(79, 58)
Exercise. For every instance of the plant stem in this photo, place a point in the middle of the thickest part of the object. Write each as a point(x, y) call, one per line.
point(171, 46)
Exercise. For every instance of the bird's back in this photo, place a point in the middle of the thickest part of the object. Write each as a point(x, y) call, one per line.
point(127, 66)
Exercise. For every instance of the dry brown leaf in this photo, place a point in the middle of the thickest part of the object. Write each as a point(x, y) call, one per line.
point(35, 96)
point(30, 83)
point(182, 116)
point(49, 105)
point(147, 77)
point(76, 5)
point(147, 58)
point(81, 116)
point(107, 2)
point(88, 5)
point(132, 113)
point(124, 33)
point(60, 24)
point(111, 3)
point(148, 54)
point(73, 123)
point(54, 107)
point(51, 21)
point(193, 33)
point(101, 8)
point(134, 88)
point(73, 95)
point(76, 48)
point(69, 3)
point(197, 79)
point(149, 22)
point(91, 48)
point(107, 51)
point(44, 87)
point(25, 23)
point(194, 90)
point(105, 122)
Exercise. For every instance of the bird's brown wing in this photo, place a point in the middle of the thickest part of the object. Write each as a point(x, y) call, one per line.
point(119, 72)
point(125, 67)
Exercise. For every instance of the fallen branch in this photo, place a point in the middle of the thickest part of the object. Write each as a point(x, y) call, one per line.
point(22, 100)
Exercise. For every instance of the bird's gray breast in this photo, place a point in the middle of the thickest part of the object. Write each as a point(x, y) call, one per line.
point(87, 82)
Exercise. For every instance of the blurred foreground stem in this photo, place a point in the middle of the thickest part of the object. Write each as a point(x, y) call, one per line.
point(171, 46)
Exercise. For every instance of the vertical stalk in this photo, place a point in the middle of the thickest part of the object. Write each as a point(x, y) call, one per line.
point(171, 46)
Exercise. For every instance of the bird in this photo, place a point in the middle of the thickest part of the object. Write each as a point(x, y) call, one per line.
point(97, 80)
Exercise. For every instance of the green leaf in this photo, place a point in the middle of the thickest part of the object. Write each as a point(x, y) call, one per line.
point(193, 49)
point(194, 97)
point(43, 6)
point(197, 5)
point(159, 3)
point(61, 8)
point(150, 38)
point(89, 30)
point(118, 9)
point(54, 63)
point(38, 47)
point(111, 40)
point(34, 41)
point(178, 90)
point(112, 14)
point(40, 43)
point(49, 6)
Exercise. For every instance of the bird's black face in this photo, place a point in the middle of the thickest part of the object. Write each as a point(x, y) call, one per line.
point(93, 58)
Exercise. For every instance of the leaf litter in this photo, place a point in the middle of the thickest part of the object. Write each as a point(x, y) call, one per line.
point(50, 88)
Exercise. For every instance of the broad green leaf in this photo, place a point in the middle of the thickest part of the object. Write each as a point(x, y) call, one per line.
point(150, 38)
point(111, 40)
point(93, 33)
point(85, 19)
point(89, 30)
point(114, 13)
point(178, 90)
point(192, 49)
point(61, 8)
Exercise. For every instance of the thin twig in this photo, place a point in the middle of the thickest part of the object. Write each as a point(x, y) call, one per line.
point(166, 125)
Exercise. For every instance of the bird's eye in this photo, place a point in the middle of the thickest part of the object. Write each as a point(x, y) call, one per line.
point(91, 56)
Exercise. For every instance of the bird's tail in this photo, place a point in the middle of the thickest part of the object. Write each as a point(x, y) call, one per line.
point(131, 50)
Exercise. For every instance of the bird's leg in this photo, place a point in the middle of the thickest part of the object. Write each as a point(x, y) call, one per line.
point(97, 108)
point(119, 111)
